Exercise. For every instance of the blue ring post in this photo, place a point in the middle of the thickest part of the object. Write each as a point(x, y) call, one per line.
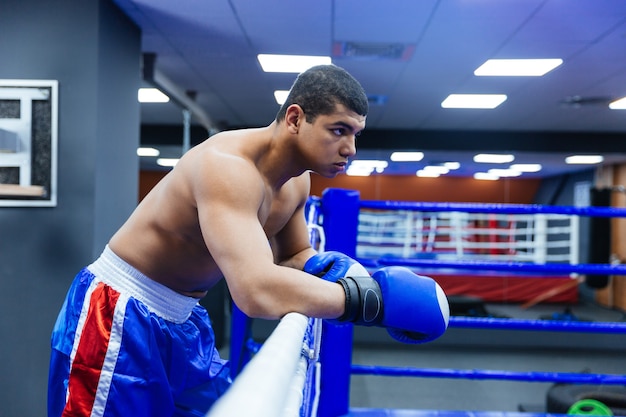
point(240, 334)
point(340, 211)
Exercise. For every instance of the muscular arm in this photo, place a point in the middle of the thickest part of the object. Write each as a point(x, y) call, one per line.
point(231, 211)
point(291, 244)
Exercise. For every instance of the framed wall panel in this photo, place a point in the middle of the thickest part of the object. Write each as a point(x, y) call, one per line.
point(28, 142)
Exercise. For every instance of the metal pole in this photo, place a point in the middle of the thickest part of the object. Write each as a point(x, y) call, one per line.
point(186, 130)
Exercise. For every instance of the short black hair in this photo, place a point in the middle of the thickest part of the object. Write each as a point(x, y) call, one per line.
point(319, 89)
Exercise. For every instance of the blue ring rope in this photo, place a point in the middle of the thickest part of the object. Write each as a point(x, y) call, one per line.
point(541, 325)
point(590, 211)
point(553, 268)
point(518, 324)
point(498, 323)
point(578, 378)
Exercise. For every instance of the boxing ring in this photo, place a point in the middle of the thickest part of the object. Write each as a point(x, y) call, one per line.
point(304, 367)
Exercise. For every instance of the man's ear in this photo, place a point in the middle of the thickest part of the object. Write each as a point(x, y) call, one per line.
point(294, 117)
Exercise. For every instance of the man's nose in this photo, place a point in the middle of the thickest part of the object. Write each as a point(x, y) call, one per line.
point(349, 148)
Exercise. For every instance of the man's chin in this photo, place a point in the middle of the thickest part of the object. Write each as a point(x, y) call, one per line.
point(326, 174)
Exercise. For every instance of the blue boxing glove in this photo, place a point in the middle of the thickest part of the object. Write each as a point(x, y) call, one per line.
point(333, 265)
point(413, 308)
point(417, 309)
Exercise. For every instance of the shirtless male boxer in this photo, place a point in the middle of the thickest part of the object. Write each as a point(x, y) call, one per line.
point(131, 338)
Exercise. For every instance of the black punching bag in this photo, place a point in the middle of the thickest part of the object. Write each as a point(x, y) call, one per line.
point(599, 237)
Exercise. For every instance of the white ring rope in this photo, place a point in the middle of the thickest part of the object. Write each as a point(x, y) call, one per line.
point(299, 395)
point(260, 389)
point(295, 395)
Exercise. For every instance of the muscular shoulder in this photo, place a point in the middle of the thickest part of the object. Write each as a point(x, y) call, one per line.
point(298, 188)
point(217, 170)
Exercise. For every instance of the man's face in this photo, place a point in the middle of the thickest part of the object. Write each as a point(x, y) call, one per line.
point(331, 139)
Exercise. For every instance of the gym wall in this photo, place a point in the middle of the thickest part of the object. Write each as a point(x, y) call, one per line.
point(614, 295)
point(409, 188)
point(94, 52)
point(445, 188)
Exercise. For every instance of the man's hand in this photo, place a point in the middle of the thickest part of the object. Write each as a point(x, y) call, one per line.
point(333, 265)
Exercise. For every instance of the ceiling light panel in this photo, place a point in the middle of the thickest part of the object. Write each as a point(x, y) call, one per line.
point(439, 169)
point(425, 173)
point(618, 104)
point(517, 67)
point(584, 159)
point(490, 158)
point(290, 63)
point(167, 162)
point(473, 101)
point(526, 167)
point(378, 165)
point(485, 176)
point(504, 172)
point(151, 95)
point(281, 96)
point(359, 171)
point(146, 151)
point(407, 156)
point(365, 167)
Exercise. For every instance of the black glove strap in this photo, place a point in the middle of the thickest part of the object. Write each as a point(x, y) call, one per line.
point(364, 301)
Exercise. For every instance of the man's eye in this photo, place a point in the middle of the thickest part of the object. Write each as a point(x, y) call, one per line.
point(339, 131)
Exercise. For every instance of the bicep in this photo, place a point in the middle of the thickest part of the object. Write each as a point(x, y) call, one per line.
point(291, 244)
point(234, 235)
point(228, 210)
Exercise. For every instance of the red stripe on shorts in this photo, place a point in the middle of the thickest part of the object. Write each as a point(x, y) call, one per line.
point(92, 349)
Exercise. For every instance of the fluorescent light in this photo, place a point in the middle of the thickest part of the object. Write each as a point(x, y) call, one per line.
point(364, 167)
point(167, 162)
point(374, 163)
point(526, 167)
point(504, 172)
point(290, 63)
point(439, 169)
point(359, 171)
point(485, 176)
point(427, 174)
point(407, 156)
point(618, 104)
point(493, 158)
point(584, 159)
point(473, 101)
point(281, 96)
point(151, 95)
point(517, 67)
point(371, 164)
point(148, 152)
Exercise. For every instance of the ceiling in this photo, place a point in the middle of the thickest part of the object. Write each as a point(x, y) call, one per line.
point(209, 47)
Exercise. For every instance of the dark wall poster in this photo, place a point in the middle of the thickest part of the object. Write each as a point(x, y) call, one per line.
point(28, 142)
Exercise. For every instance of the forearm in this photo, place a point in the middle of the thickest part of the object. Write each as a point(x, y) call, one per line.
point(325, 299)
point(298, 260)
point(288, 290)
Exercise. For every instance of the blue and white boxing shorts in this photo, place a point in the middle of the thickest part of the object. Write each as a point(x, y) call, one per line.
point(124, 345)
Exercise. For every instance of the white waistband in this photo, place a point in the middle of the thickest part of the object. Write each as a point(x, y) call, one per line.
point(161, 300)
